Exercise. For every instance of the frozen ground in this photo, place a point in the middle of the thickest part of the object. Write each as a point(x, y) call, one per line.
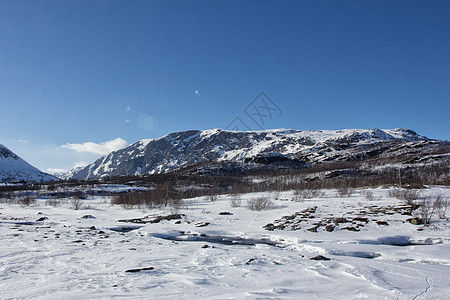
point(66, 256)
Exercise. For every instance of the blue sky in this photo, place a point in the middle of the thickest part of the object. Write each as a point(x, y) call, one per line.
point(115, 72)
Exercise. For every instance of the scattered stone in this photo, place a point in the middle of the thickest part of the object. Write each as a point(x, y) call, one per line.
point(202, 224)
point(225, 213)
point(41, 219)
point(205, 246)
point(330, 228)
point(88, 217)
point(178, 222)
point(360, 219)
point(313, 229)
point(250, 260)
point(320, 257)
point(157, 219)
point(415, 221)
point(382, 223)
point(77, 241)
point(139, 270)
point(92, 228)
point(350, 228)
point(269, 227)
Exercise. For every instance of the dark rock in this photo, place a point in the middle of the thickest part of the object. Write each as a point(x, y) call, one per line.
point(382, 223)
point(88, 217)
point(360, 219)
point(92, 228)
point(41, 219)
point(250, 260)
point(340, 220)
point(313, 229)
point(202, 224)
point(225, 213)
point(320, 257)
point(139, 270)
point(205, 246)
point(330, 228)
point(350, 229)
point(415, 221)
point(270, 227)
point(155, 220)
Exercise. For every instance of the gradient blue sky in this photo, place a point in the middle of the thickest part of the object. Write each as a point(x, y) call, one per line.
point(93, 71)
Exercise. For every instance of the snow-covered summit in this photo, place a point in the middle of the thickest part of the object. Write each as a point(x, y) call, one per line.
point(14, 169)
point(185, 148)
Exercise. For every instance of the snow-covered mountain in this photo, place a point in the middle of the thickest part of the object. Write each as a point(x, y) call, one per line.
point(14, 169)
point(186, 148)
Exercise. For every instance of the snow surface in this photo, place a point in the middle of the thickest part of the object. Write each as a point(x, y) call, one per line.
point(64, 257)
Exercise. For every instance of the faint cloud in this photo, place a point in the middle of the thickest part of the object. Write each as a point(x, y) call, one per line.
point(128, 108)
point(80, 164)
point(23, 141)
point(197, 92)
point(102, 148)
point(55, 171)
point(127, 121)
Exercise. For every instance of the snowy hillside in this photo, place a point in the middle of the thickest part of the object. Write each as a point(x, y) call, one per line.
point(190, 147)
point(361, 249)
point(13, 169)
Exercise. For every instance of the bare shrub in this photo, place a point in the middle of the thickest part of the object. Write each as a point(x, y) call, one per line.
point(26, 201)
point(302, 194)
point(407, 195)
point(260, 203)
point(395, 193)
point(410, 195)
point(77, 204)
point(235, 201)
point(213, 198)
point(426, 209)
point(344, 191)
point(369, 195)
point(441, 205)
point(53, 202)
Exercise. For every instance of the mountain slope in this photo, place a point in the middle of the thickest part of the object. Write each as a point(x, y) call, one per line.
point(13, 169)
point(186, 148)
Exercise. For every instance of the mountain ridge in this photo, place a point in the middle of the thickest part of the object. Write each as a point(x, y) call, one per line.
point(14, 169)
point(184, 148)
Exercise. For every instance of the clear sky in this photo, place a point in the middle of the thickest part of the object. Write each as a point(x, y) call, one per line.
point(79, 78)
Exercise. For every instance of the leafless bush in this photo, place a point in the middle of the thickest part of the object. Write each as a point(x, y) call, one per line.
point(150, 199)
point(410, 195)
point(344, 191)
point(441, 205)
point(213, 198)
point(407, 195)
point(235, 201)
point(302, 194)
point(26, 201)
point(260, 203)
point(369, 195)
point(53, 202)
point(395, 193)
point(426, 209)
point(77, 204)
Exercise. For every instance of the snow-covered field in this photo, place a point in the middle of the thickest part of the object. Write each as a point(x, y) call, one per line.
point(81, 254)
